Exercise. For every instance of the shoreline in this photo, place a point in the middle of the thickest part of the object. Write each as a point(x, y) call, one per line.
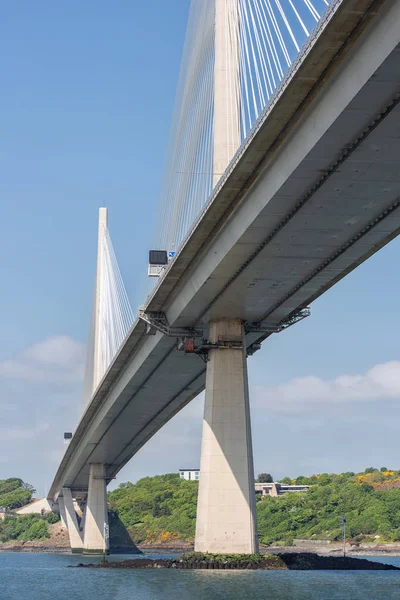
point(324, 551)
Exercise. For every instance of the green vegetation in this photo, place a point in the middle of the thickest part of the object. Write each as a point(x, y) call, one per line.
point(14, 493)
point(162, 509)
point(25, 528)
point(157, 509)
point(196, 557)
point(228, 561)
point(370, 500)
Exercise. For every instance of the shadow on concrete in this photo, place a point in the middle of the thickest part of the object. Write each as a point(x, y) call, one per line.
point(121, 541)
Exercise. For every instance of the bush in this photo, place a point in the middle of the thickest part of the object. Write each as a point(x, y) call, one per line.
point(51, 517)
point(37, 531)
point(24, 528)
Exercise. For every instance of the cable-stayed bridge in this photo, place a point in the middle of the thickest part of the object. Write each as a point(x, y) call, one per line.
point(283, 175)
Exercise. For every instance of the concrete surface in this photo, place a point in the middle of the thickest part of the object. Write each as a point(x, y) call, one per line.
point(226, 516)
point(96, 515)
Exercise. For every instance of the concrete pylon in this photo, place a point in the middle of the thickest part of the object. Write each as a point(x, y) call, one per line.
point(75, 538)
point(226, 85)
point(226, 515)
point(96, 514)
point(103, 222)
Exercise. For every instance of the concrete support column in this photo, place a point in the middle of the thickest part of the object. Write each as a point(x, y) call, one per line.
point(96, 514)
point(63, 514)
point(83, 520)
point(226, 85)
point(226, 516)
point(75, 537)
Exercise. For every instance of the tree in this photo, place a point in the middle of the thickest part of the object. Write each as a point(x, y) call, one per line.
point(9, 485)
point(14, 493)
point(370, 470)
point(383, 469)
point(16, 498)
point(301, 480)
point(286, 481)
point(265, 478)
point(28, 487)
point(324, 479)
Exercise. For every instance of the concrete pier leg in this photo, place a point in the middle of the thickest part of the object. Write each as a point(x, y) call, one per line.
point(75, 537)
point(83, 520)
point(226, 517)
point(63, 514)
point(96, 517)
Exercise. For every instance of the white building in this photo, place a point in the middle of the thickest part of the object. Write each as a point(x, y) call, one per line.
point(278, 489)
point(190, 474)
point(265, 489)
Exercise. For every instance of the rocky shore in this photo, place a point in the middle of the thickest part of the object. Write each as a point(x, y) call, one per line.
point(300, 561)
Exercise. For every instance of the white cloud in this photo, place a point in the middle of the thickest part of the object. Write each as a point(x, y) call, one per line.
point(380, 382)
point(58, 359)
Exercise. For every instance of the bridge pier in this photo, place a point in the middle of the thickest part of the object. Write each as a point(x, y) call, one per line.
point(75, 538)
point(63, 514)
point(96, 514)
point(226, 517)
point(83, 519)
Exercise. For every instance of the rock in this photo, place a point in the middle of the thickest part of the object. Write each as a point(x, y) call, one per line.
point(303, 561)
point(299, 561)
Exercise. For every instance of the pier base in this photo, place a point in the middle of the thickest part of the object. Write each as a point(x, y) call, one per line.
point(63, 514)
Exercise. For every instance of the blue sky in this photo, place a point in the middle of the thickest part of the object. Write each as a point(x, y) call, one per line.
point(85, 108)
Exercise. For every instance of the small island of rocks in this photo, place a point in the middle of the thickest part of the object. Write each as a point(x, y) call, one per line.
point(300, 561)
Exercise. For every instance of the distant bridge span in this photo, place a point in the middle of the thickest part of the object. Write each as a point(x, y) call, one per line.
point(313, 192)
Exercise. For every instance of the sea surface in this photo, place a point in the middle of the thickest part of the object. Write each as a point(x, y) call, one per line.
point(46, 577)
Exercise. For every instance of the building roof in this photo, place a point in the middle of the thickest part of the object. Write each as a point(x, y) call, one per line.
point(189, 469)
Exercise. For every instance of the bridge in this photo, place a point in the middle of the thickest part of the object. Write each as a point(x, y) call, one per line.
point(280, 182)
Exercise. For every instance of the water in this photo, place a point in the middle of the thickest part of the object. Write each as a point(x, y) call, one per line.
point(45, 577)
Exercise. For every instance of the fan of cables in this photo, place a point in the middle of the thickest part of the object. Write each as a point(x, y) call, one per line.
point(261, 40)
